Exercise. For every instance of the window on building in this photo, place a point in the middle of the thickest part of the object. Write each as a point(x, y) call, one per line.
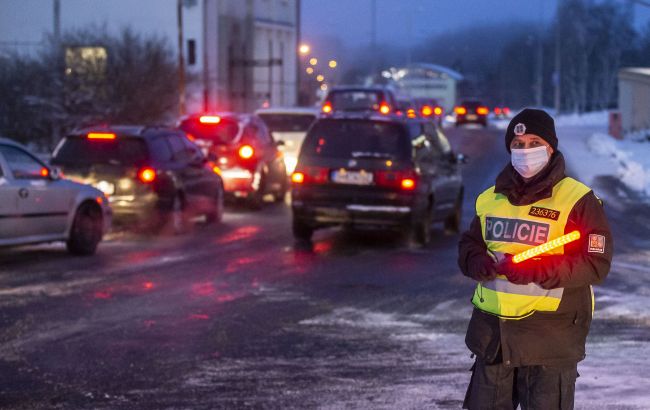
point(191, 52)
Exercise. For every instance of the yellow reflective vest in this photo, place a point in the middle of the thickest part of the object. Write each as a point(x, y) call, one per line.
point(512, 229)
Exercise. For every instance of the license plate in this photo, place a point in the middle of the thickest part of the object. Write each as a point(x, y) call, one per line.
point(471, 117)
point(344, 176)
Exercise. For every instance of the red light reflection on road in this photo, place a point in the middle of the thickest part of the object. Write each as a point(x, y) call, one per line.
point(140, 257)
point(198, 316)
point(102, 295)
point(203, 289)
point(245, 232)
point(322, 247)
point(148, 285)
point(239, 263)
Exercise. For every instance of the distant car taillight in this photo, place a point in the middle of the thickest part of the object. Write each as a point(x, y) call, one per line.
point(426, 111)
point(460, 110)
point(45, 172)
point(506, 110)
point(384, 108)
point(310, 175)
point(101, 136)
point(497, 110)
point(402, 179)
point(147, 175)
point(246, 152)
point(209, 119)
point(410, 113)
point(482, 110)
point(327, 107)
point(437, 110)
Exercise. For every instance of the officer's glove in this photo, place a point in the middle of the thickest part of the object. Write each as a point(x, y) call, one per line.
point(514, 272)
point(482, 268)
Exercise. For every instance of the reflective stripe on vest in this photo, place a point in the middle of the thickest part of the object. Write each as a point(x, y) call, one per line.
point(512, 229)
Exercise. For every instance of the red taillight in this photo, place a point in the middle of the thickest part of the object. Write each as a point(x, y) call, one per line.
point(45, 172)
point(246, 152)
point(482, 110)
point(426, 111)
point(404, 179)
point(408, 184)
point(310, 175)
point(147, 175)
point(327, 108)
point(190, 136)
point(506, 110)
point(411, 113)
point(101, 136)
point(384, 108)
point(437, 110)
point(209, 119)
point(497, 110)
point(297, 177)
point(460, 110)
point(216, 170)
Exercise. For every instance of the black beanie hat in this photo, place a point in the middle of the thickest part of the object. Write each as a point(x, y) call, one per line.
point(531, 121)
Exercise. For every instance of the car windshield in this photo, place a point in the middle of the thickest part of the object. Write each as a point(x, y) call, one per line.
point(119, 151)
point(223, 132)
point(356, 139)
point(358, 100)
point(288, 122)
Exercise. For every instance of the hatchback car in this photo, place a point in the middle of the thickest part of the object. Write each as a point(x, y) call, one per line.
point(36, 205)
point(373, 170)
point(288, 127)
point(359, 99)
point(153, 176)
point(471, 112)
point(250, 161)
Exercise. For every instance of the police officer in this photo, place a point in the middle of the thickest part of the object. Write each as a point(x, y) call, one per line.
point(531, 319)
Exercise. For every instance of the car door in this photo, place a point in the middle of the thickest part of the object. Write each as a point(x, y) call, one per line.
point(42, 204)
point(446, 166)
point(9, 218)
point(186, 170)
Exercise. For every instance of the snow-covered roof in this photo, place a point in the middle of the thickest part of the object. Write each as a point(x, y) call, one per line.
point(288, 110)
point(438, 68)
point(637, 70)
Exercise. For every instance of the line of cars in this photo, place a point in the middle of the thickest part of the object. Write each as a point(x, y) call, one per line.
point(366, 161)
point(153, 177)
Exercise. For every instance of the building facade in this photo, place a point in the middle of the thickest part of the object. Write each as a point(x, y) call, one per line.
point(238, 55)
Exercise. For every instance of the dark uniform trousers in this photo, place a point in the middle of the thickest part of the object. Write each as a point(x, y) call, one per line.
point(501, 387)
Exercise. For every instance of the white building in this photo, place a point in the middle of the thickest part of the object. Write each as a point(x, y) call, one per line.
point(242, 53)
point(634, 98)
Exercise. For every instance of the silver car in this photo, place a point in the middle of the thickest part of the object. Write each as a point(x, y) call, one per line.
point(36, 205)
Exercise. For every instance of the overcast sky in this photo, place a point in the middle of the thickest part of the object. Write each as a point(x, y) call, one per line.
point(349, 20)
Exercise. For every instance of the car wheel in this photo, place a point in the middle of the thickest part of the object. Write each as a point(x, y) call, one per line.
point(86, 231)
point(302, 231)
point(216, 215)
point(421, 230)
point(452, 222)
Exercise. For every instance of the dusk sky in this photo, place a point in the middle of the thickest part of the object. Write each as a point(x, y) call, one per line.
point(351, 19)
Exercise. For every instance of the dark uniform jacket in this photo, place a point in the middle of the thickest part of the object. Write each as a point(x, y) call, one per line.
point(544, 338)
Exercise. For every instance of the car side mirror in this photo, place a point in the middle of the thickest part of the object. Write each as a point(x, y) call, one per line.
point(55, 173)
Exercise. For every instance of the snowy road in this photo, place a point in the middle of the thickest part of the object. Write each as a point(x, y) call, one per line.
point(237, 317)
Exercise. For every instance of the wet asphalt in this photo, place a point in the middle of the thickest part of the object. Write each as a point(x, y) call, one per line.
point(237, 315)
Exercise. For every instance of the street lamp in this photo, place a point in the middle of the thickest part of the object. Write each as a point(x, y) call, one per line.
point(333, 63)
point(320, 78)
point(304, 49)
point(309, 70)
point(313, 61)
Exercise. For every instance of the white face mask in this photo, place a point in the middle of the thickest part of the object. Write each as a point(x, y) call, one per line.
point(528, 162)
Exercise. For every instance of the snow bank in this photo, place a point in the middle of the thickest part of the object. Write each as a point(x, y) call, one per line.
point(596, 118)
point(630, 157)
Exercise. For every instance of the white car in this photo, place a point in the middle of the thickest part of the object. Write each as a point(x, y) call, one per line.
point(290, 126)
point(36, 205)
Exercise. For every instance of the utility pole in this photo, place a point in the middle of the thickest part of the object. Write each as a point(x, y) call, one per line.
point(539, 69)
point(557, 75)
point(57, 21)
point(181, 58)
point(373, 35)
point(295, 49)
